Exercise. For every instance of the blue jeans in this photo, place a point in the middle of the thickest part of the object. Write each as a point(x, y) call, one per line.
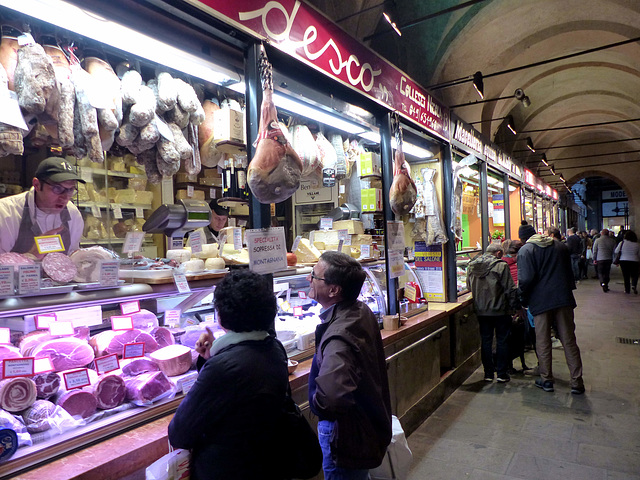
point(331, 471)
point(575, 266)
point(501, 325)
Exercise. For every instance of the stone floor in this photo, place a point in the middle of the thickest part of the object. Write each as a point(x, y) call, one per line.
point(517, 431)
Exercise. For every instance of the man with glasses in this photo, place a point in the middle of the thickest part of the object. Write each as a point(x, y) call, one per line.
point(43, 210)
point(348, 386)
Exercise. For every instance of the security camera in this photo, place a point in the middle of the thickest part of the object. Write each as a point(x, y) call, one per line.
point(519, 94)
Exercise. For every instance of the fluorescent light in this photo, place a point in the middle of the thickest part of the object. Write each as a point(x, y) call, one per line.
point(88, 24)
point(299, 108)
point(239, 87)
point(408, 148)
point(393, 25)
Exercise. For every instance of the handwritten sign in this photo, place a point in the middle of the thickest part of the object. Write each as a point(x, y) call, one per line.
point(187, 384)
point(365, 251)
point(76, 379)
point(121, 322)
point(172, 318)
point(117, 211)
point(296, 242)
point(107, 364)
point(181, 282)
point(267, 250)
point(132, 242)
point(396, 263)
point(109, 273)
point(127, 308)
point(28, 279)
point(7, 287)
point(49, 243)
point(133, 350)
point(395, 234)
point(196, 240)
point(95, 211)
point(17, 367)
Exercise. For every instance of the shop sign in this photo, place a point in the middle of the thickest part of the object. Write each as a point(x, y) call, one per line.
point(468, 137)
point(429, 269)
point(554, 194)
point(547, 190)
point(614, 195)
point(540, 185)
point(302, 32)
point(529, 178)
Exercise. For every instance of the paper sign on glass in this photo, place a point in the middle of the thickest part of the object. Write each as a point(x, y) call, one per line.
point(49, 243)
point(28, 279)
point(76, 379)
point(42, 365)
point(267, 250)
point(109, 273)
point(5, 336)
point(107, 364)
point(127, 308)
point(17, 367)
point(133, 350)
point(44, 320)
point(133, 242)
point(121, 322)
point(395, 234)
point(7, 287)
point(181, 282)
point(61, 329)
point(172, 318)
point(396, 263)
point(195, 240)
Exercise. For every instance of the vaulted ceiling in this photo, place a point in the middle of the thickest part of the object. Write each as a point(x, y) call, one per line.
point(534, 45)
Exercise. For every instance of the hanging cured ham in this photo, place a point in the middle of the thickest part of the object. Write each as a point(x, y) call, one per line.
point(403, 192)
point(275, 170)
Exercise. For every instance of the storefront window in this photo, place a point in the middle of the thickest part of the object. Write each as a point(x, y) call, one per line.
point(470, 218)
point(539, 214)
point(528, 206)
point(515, 208)
point(496, 200)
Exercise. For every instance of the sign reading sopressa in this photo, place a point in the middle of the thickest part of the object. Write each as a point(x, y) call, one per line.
point(302, 32)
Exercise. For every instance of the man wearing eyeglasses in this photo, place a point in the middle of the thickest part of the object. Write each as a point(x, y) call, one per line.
point(348, 385)
point(45, 209)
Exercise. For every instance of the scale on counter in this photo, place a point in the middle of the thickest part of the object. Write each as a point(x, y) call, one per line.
point(175, 220)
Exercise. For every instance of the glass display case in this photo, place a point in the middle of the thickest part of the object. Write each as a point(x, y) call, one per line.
point(462, 260)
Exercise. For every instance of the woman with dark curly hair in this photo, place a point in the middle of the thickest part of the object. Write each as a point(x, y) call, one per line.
point(229, 416)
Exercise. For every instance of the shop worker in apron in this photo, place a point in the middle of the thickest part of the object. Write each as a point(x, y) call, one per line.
point(219, 217)
point(45, 209)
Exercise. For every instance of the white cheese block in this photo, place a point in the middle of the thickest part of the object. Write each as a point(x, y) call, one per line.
point(325, 236)
point(235, 257)
point(173, 359)
point(306, 252)
point(179, 255)
point(352, 226)
point(214, 263)
point(209, 250)
point(361, 239)
point(194, 265)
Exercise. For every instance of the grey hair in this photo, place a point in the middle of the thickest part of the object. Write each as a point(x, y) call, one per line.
point(494, 247)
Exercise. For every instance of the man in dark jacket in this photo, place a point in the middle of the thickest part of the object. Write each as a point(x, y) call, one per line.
point(546, 281)
point(575, 250)
point(495, 296)
point(348, 386)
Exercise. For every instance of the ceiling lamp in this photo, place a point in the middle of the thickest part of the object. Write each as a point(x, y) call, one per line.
point(478, 84)
point(510, 124)
point(530, 145)
point(520, 95)
point(393, 25)
point(544, 159)
point(552, 170)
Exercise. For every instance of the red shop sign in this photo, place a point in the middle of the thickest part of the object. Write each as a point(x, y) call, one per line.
point(302, 32)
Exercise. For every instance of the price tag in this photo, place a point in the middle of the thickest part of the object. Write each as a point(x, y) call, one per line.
point(297, 311)
point(181, 283)
point(107, 364)
point(172, 318)
point(326, 223)
point(237, 238)
point(189, 191)
point(187, 384)
point(117, 211)
point(132, 242)
point(139, 212)
point(176, 243)
point(396, 263)
point(17, 367)
point(232, 222)
point(296, 242)
point(61, 329)
point(195, 240)
point(76, 379)
point(212, 193)
point(28, 279)
point(341, 189)
point(267, 250)
point(109, 271)
point(133, 350)
point(121, 322)
point(410, 292)
point(164, 129)
point(210, 318)
point(10, 112)
point(95, 211)
point(302, 295)
point(49, 243)
point(127, 308)
point(5, 336)
point(42, 365)
point(86, 174)
point(7, 276)
point(365, 251)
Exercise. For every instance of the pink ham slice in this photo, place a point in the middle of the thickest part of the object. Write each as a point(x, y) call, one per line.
point(32, 339)
point(57, 266)
point(109, 390)
point(136, 366)
point(17, 394)
point(8, 352)
point(79, 403)
point(110, 341)
point(65, 353)
point(144, 320)
point(275, 170)
point(163, 336)
point(146, 388)
point(47, 384)
point(403, 192)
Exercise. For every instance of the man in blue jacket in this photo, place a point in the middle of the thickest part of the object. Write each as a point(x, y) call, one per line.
point(348, 386)
point(546, 282)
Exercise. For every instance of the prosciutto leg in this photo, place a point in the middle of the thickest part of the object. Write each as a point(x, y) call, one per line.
point(275, 170)
point(403, 192)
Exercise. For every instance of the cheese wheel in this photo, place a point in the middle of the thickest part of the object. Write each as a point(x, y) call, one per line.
point(214, 263)
point(195, 265)
point(173, 359)
point(209, 250)
point(179, 255)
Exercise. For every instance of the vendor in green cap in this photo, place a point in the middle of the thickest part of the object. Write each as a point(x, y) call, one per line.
point(43, 210)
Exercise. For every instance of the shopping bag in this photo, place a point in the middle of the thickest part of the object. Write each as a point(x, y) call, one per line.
point(173, 466)
point(397, 460)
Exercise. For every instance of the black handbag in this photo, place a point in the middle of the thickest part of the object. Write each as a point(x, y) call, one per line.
point(299, 443)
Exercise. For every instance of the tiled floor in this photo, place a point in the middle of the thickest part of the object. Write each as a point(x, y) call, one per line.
point(517, 431)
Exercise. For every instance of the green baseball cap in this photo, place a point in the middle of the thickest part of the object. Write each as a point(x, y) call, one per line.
point(57, 170)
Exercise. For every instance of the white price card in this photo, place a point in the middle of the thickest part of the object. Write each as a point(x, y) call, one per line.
point(341, 189)
point(172, 318)
point(132, 242)
point(365, 251)
point(326, 223)
point(133, 350)
point(195, 240)
point(10, 113)
point(107, 364)
point(212, 193)
point(396, 263)
point(121, 322)
point(127, 308)
point(302, 295)
point(237, 238)
point(189, 191)
point(109, 271)
point(61, 329)
point(76, 379)
point(187, 384)
point(139, 212)
point(49, 243)
point(117, 211)
point(395, 235)
point(7, 287)
point(297, 311)
point(267, 250)
point(176, 243)
point(95, 211)
point(42, 365)
point(17, 367)
point(181, 283)
point(5, 336)
point(296, 242)
point(28, 279)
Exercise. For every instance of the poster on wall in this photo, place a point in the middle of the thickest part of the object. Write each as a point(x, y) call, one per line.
point(430, 272)
point(498, 210)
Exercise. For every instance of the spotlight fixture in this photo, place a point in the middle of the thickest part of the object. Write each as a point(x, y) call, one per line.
point(544, 159)
point(478, 84)
point(510, 124)
point(393, 24)
point(520, 95)
point(552, 170)
point(526, 102)
point(562, 179)
point(530, 145)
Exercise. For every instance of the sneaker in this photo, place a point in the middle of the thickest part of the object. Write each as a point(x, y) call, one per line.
point(532, 372)
point(488, 378)
point(504, 378)
point(547, 385)
point(577, 390)
point(556, 343)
